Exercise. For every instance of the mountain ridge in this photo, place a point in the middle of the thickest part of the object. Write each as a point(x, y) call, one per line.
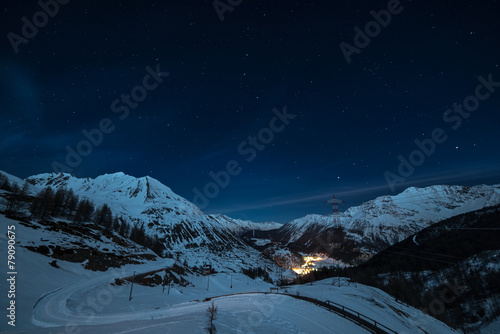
point(182, 226)
point(185, 231)
point(385, 220)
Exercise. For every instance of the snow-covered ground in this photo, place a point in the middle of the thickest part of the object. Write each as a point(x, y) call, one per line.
point(493, 328)
point(71, 299)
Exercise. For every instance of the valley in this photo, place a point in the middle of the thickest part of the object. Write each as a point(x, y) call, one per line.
point(149, 260)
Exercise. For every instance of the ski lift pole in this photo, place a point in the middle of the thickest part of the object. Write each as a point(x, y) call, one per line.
point(164, 279)
point(131, 287)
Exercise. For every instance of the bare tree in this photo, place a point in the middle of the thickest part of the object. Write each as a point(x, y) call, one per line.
point(212, 316)
point(43, 203)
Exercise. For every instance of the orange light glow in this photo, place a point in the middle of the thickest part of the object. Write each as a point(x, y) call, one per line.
point(309, 265)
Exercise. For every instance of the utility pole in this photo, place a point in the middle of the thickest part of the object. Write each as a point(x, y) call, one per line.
point(333, 277)
point(335, 211)
point(131, 287)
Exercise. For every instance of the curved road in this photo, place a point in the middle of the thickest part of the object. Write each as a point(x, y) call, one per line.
point(60, 307)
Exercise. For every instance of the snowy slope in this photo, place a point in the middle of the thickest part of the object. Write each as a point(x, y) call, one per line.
point(186, 231)
point(145, 201)
point(238, 226)
point(13, 179)
point(32, 190)
point(71, 299)
point(390, 219)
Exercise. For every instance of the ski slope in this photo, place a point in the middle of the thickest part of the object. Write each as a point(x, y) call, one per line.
point(74, 300)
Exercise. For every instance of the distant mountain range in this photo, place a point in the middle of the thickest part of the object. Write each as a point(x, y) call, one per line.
point(386, 220)
point(422, 217)
point(184, 228)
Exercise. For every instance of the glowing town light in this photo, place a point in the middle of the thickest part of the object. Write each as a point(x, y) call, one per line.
point(309, 265)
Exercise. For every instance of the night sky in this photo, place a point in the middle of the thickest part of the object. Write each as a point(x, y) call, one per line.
point(342, 126)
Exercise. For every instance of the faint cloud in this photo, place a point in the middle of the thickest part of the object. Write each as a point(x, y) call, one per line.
point(474, 173)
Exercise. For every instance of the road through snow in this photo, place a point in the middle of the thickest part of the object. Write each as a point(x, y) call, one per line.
point(94, 301)
point(91, 301)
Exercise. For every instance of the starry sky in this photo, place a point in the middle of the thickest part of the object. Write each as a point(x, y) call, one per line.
point(259, 94)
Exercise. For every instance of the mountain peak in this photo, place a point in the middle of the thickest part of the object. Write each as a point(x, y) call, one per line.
point(388, 219)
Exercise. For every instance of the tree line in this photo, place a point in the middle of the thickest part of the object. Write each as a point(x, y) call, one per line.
point(17, 195)
point(64, 203)
point(452, 274)
point(258, 272)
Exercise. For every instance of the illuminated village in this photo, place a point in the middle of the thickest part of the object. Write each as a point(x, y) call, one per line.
point(314, 262)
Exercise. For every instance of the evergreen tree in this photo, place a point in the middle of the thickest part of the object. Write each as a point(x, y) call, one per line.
point(4, 182)
point(157, 247)
point(103, 216)
point(15, 189)
point(138, 235)
point(84, 211)
point(15, 201)
point(13, 205)
point(59, 201)
point(71, 203)
point(43, 203)
point(25, 189)
point(124, 229)
point(78, 218)
point(116, 224)
point(107, 217)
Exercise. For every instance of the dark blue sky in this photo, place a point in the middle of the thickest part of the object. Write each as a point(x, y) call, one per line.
point(352, 120)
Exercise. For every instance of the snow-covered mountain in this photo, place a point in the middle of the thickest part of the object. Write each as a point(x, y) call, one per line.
point(389, 219)
point(184, 229)
point(238, 226)
point(69, 251)
point(53, 299)
point(200, 238)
